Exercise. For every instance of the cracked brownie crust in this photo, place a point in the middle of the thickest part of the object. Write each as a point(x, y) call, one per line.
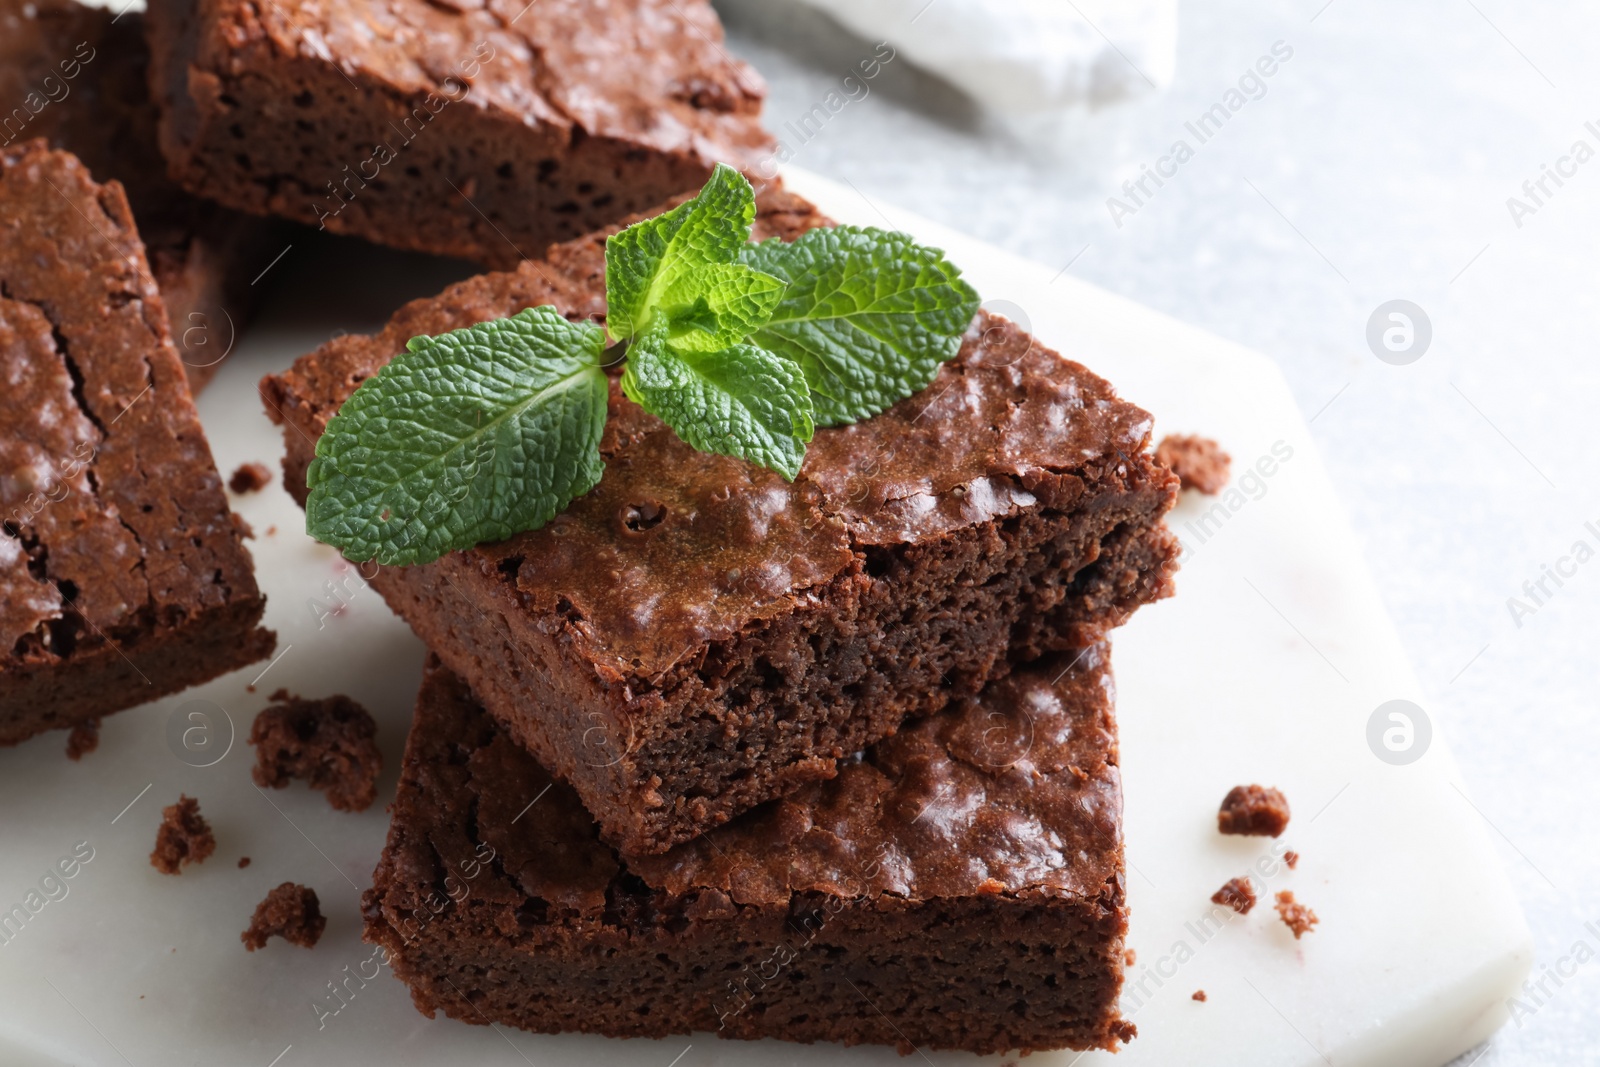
point(123, 576)
point(484, 130)
point(83, 69)
point(880, 895)
point(696, 636)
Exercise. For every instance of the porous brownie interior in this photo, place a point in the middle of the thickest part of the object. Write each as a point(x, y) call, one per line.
point(963, 878)
point(482, 131)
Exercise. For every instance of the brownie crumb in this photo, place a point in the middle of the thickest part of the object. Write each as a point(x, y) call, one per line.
point(1129, 957)
point(244, 861)
point(84, 739)
point(328, 743)
point(1236, 893)
point(1292, 858)
point(1254, 810)
point(1199, 462)
point(1200, 995)
point(1296, 917)
point(250, 478)
point(184, 838)
point(291, 912)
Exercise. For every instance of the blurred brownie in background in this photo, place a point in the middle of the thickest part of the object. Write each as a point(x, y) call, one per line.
point(485, 129)
point(75, 76)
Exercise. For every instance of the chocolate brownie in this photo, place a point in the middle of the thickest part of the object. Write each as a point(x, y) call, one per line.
point(1199, 462)
point(960, 885)
point(330, 743)
point(75, 75)
point(484, 130)
point(83, 739)
point(1253, 810)
point(1297, 917)
point(1236, 893)
point(696, 635)
point(291, 912)
point(123, 576)
point(184, 837)
point(250, 478)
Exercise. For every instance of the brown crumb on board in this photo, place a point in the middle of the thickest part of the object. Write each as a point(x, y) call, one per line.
point(250, 478)
point(1296, 917)
point(1254, 810)
point(331, 744)
point(1199, 462)
point(84, 739)
point(1292, 858)
point(1129, 957)
point(1200, 995)
point(291, 912)
point(184, 838)
point(1236, 893)
point(244, 861)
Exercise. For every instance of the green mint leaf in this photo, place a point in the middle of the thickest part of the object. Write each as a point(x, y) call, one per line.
point(467, 437)
point(719, 305)
point(738, 401)
point(649, 259)
point(868, 315)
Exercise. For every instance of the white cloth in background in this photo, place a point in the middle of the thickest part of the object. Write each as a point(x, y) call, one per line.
point(1027, 60)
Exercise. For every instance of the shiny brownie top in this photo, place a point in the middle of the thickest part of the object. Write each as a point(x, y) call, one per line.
point(677, 548)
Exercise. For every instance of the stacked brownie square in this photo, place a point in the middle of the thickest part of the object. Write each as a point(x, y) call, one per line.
point(823, 760)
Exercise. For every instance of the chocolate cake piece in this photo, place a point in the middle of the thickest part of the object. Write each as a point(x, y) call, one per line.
point(250, 478)
point(1253, 810)
point(1236, 893)
point(330, 743)
point(1296, 916)
point(184, 837)
point(1199, 462)
point(76, 75)
point(484, 130)
point(123, 575)
point(959, 886)
point(696, 636)
point(291, 912)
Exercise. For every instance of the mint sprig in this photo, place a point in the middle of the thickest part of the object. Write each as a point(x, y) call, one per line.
point(467, 437)
point(741, 349)
point(740, 401)
point(868, 315)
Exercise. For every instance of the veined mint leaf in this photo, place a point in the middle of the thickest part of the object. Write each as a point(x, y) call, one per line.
point(869, 315)
point(719, 305)
point(739, 401)
point(467, 437)
point(652, 258)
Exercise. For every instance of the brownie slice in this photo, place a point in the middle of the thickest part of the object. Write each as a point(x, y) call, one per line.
point(75, 75)
point(696, 636)
point(959, 886)
point(123, 576)
point(484, 130)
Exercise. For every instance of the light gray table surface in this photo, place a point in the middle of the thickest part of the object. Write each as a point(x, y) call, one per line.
point(1377, 165)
